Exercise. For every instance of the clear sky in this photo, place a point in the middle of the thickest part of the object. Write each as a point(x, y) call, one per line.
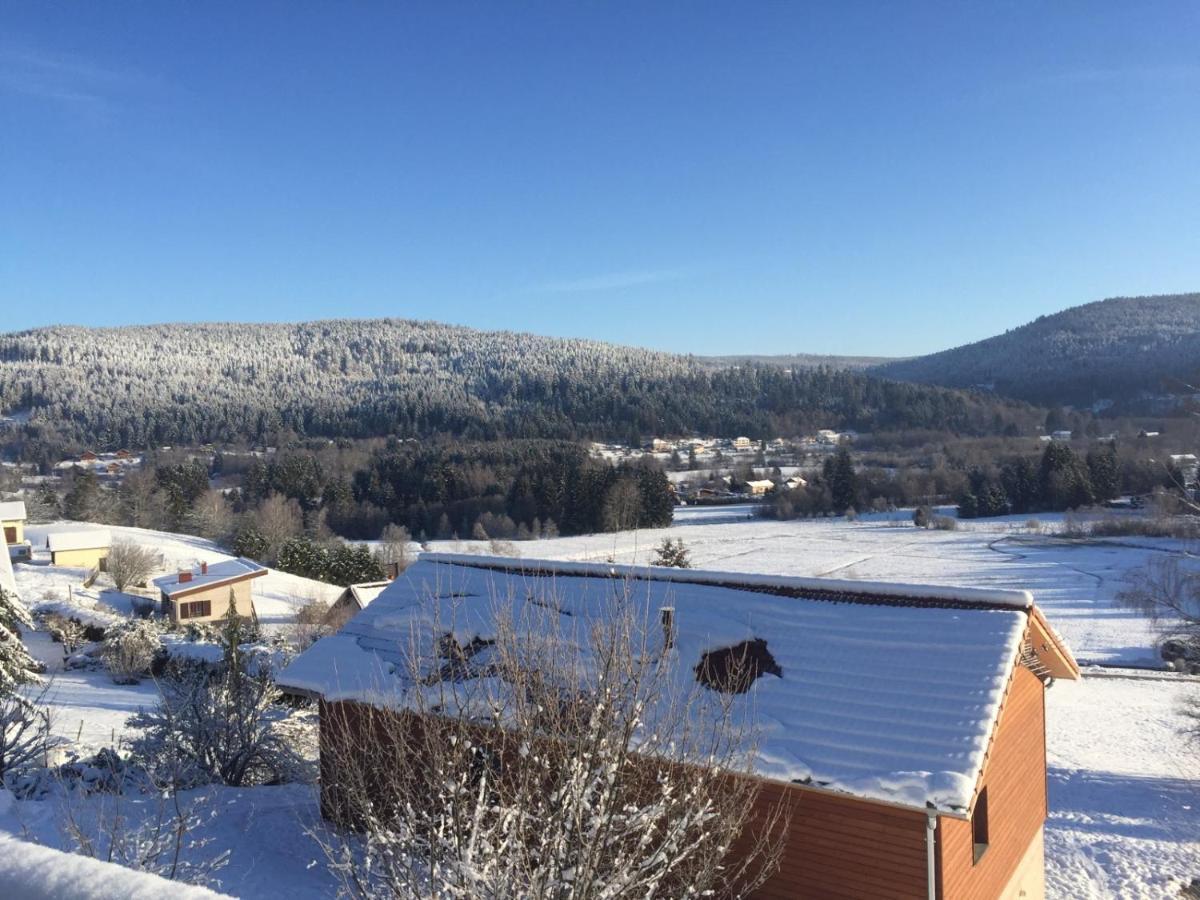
point(874, 178)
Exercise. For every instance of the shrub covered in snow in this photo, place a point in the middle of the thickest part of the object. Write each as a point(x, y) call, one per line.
point(215, 722)
point(130, 649)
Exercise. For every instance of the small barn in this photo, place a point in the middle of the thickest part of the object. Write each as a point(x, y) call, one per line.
point(204, 593)
point(353, 600)
point(79, 549)
point(904, 725)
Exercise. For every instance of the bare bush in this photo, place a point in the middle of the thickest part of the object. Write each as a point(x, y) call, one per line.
point(130, 563)
point(545, 763)
point(125, 817)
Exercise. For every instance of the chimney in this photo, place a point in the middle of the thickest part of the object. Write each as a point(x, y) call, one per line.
point(203, 568)
point(668, 626)
point(185, 577)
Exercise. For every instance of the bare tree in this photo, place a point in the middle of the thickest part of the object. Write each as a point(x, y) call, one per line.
point(278, 519)
point(393, 547)
point(210, 516)
point(130, 563)
point(547, 762)
point(1168, 592)
point(622, 505)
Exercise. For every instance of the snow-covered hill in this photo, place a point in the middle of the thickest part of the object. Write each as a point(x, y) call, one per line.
point(1109, 350)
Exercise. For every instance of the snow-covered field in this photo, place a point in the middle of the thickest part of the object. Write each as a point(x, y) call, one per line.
point(1124, 808)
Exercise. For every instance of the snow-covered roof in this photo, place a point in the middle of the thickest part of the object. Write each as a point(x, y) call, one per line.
point(888, 691)
point(12, 511)
point(36, 872)
point(217, 573)
point(363, 594)
point(94, 539)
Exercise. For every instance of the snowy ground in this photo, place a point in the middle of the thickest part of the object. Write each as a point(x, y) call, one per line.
point(1123, 778)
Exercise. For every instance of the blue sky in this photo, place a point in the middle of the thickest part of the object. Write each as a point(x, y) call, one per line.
point(867, 178)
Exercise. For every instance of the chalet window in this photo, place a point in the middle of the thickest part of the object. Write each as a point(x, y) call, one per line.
point(979, 825)
point(197, 609)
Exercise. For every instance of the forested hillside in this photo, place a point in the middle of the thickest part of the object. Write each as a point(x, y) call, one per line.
point(1111, 350)
point(147, 385)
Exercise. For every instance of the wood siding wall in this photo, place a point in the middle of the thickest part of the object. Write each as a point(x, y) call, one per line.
point(1015, 778)
point(842, 847)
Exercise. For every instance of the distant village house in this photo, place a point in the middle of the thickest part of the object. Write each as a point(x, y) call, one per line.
point(759, 488)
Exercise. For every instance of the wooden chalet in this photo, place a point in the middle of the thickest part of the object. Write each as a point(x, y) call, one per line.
point(902, 725)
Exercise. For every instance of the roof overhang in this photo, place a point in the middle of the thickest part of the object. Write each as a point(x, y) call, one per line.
point(1052, 654)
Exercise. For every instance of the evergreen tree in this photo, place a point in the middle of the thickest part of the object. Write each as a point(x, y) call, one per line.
point(17, 667)
point(1063, 478)
point(250, 543)
point(82, 502)
point(843, 481)
point(1105, 472)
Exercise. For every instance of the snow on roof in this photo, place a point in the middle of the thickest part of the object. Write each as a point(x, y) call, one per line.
point(12, 511)
point(217, 573)
point(363, 594)
point(889, 692)
point(94, 539)
point(35, 872)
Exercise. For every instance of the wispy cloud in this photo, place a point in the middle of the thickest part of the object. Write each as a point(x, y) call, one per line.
point(614, 281)
point(67, 79)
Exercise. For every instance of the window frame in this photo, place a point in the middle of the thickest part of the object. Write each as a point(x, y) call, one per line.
point(195, 609)
point(980, 838)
